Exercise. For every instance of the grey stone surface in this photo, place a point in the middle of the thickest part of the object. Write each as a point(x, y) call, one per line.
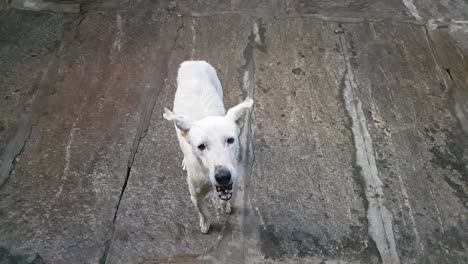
point(307, 202)
point(60, 200)
point(356, 151)
point(410, 114)
point(443, 9)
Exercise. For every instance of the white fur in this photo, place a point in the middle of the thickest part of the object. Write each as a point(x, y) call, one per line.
point(199, 117)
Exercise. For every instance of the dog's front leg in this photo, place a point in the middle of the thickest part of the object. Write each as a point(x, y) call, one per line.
point(225, 206)
point(198, 189)
point(199, 202)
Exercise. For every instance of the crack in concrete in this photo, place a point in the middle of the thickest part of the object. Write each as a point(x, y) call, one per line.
point(329, 17)
point(460, 110)
point(149, 102)
point(379, 219)
point(335, 17)
point(344, 18)
point(147, 113)
point(15, 147)
point(256, 41)
point(435, 58)
point(247, 70)
point(248, 86)
point(412, 9)
point(28, 120)
point(449, 73)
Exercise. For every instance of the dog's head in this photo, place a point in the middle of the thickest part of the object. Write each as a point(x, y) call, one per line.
point(214, 141)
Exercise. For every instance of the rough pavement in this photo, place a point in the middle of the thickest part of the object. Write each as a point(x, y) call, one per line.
point(356, 151)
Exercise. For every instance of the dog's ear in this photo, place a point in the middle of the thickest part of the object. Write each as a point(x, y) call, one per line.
point(180, 121)
point(236, 112)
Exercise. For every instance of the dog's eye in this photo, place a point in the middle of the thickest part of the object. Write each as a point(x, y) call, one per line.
point(230, 140)
point(201, 147)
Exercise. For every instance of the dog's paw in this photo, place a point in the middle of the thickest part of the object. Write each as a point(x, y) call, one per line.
point(204, 226)
point(184, 167)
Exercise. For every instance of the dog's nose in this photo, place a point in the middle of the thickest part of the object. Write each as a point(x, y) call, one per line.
point(222, 175)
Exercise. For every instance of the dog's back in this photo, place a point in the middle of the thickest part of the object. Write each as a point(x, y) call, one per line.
point(199, 92)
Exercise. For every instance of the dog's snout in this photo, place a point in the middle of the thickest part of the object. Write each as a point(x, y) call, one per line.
point(222, 175)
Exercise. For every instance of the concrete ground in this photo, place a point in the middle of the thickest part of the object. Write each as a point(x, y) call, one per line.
point(356, 151)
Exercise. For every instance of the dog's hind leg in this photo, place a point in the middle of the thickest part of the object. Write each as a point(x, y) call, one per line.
point(199, 203)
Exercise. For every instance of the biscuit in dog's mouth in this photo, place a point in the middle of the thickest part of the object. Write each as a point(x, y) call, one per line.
point(224, 192)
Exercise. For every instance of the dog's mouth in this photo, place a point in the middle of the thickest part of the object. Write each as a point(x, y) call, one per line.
point(224, 192)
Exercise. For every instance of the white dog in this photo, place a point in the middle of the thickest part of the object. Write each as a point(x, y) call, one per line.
point(207, 136)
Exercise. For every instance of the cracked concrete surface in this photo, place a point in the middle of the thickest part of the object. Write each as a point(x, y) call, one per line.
point(356, 151)
point(379, 219)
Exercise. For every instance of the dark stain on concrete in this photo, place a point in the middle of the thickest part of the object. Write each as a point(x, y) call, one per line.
point(263, 88)
point(369, 254)
point(271, 243)
point(309, 244)
point(455, 239)
point(7, 257)
point(298, 71)
point(275, 244)
point(458, 190)
point(179, 259)
point(352, 51)
point(453, 157)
